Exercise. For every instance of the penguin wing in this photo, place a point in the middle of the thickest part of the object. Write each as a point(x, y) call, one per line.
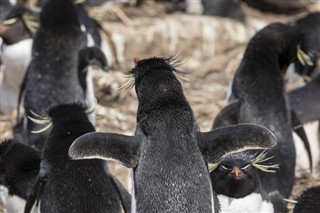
point(227, 116)
point(106, 146)
point(21, 92)
point(35, 192)
point(124, 195)
point(298, 128)
point(92, 56)
point(235, 138)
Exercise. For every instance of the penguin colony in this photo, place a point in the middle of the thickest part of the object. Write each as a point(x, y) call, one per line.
point(246, 163)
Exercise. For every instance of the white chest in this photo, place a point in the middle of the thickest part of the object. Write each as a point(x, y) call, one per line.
point(252, 203)
point(302, 160)
point(16, 58)
point(13, 204)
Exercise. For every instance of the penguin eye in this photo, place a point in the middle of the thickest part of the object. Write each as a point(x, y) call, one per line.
point(246, 167)
point(10, 21)
point(225, 168)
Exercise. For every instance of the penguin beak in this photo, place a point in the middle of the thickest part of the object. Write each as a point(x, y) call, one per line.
point(236, 173)
point(136, 59)
point(2, 28)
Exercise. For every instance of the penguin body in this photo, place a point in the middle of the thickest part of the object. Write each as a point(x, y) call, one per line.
point(305, 101)
point(20, 165)
point(168, 152)
point(64, 185)
point(253, 203)
point(258, 85)
point(53, 76)
point(17, 33)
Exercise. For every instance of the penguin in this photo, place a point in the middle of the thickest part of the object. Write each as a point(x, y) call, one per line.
point(309, 26)
point(19, 167)
point(308, 201)
point(64, 185)
point(261, 99)
point(17, 31)
point(54, 68)
point(227, 8)
point(305, 101)
point(168, 153)
point(237, 185)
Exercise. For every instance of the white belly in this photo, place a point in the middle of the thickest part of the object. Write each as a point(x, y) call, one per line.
point(13, 204)
point(302, 160)
point(250, 204)
point(16, 59)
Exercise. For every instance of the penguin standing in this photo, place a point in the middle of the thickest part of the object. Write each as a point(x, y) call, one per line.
point(64, 185)
point(53, 74)
point(305, 101)
point(261, 99)
point(237, 185)
point(19, 167)
point(17, 31)
point(168, 151)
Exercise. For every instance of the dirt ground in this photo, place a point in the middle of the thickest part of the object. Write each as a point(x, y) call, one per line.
point(205, 87)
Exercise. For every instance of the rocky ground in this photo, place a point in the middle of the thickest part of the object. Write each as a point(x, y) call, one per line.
point(205, 87)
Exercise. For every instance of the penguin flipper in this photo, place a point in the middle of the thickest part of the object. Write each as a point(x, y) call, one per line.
point(35, 193)
point(106, 146)
point(92, 56)
point(21, 92)
point(227, 116)
point(215, 144)
point(299, 130)
point(123, 194)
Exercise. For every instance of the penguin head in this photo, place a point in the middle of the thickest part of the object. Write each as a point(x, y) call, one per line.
point(21, 23)
point(287, 40)
point(59, 13)
point(309, 28)
point(236, 175)
point(282, 41)
point(155, 80)
point(63, 118)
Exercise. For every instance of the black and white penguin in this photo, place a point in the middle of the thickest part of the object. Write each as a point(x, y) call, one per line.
point(19, 167)
point(53, 76)
point(17, 31)
point(305, 101)
point(261, 99)
point(308, 201)
point(236, 183)
point(168, 153)
point(64, 185)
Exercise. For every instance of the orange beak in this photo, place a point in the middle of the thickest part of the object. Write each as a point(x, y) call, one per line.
point(2, 28)
point(136, 59)
point(236, 173)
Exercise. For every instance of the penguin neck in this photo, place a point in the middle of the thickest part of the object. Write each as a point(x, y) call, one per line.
point(163, 115)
